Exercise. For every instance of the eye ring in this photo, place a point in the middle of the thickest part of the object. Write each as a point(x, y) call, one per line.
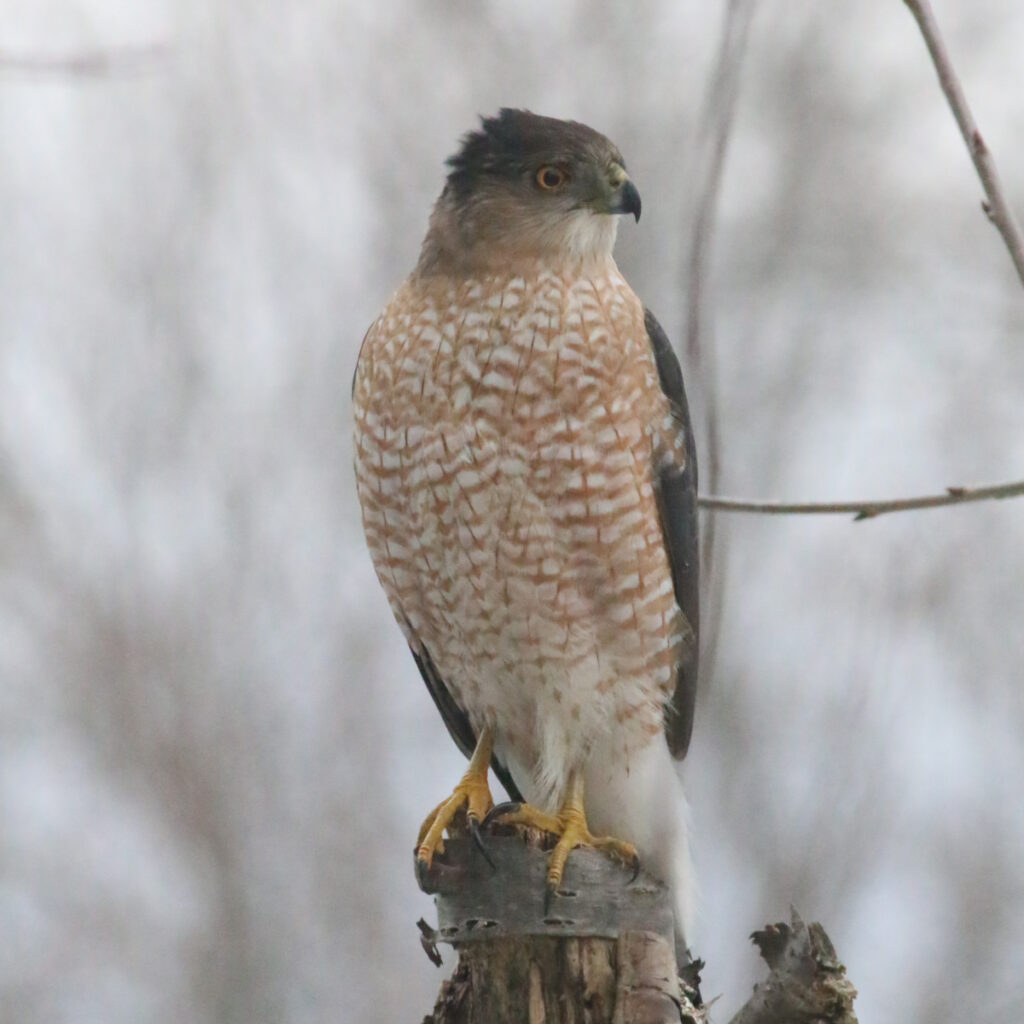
point(550, 177)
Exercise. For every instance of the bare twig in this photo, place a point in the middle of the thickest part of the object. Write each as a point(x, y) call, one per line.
point(86, 63)
point(996, 208)
point(999, 213)
point(867, 509)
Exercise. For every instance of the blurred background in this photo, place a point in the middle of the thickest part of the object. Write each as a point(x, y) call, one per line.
point(215, 750)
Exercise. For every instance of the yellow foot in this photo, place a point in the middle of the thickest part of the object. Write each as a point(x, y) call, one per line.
point(570, 826)
point(472, 794)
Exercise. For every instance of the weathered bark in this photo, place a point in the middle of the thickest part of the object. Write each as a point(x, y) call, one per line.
point(600, 951)
point(543, 980)
point(807, 982)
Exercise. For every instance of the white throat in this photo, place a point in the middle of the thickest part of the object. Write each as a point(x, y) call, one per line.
point(590, 236)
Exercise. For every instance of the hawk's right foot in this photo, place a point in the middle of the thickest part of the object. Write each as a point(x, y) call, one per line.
point(472, 795)
point(569, 827)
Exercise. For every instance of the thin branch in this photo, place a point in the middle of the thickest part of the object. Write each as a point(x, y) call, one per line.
point(712, 145)
point(716, 130)
point(86, 63)
point(867, 509)
point(999, 213)
point(996, 208)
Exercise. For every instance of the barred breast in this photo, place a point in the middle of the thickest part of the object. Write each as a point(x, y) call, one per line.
point(507, 433)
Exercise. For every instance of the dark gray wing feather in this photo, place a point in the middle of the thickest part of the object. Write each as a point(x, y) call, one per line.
point(676, 488)
point(456, 719)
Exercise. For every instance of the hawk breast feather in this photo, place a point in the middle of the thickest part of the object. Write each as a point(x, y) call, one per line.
point(676, 489)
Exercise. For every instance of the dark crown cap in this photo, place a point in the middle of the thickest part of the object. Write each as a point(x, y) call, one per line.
point(514, 141)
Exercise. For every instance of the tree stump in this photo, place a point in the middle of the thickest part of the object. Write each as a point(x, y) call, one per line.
point(599, 951)
point(806, 982)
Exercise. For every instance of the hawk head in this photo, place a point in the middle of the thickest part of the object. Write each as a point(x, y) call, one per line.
point(526, 186)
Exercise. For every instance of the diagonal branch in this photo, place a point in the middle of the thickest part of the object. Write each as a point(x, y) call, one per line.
point(995, 205)
point(867, 509)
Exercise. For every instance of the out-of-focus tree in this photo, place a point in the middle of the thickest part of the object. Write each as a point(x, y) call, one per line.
point(214, 750)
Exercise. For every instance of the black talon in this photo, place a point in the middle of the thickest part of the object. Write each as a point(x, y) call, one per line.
point(499, 809)
point(422, 868)
point(636, 867)
point(478, 841)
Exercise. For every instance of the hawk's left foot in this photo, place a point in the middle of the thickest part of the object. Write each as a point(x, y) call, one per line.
point(570, 826)
point(472, 794)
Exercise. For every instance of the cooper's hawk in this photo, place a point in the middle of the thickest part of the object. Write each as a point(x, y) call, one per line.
point(527, 476)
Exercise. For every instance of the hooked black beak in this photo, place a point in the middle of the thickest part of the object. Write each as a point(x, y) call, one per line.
point(626, 199)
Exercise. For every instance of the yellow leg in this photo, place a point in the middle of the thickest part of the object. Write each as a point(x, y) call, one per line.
point(472, 793)
point(570, 825)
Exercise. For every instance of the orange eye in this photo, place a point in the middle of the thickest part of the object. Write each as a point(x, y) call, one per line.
point(551, 177)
